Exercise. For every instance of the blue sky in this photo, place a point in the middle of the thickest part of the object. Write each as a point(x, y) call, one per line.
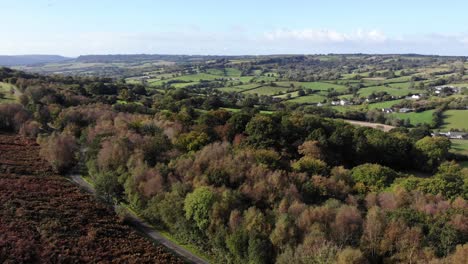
point(71, 28)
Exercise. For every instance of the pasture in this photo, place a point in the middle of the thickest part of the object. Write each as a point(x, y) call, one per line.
point(386, 104)
point(455, 119)
point(318, 86)
point(240, 88)
point(391, 89)
point(460, 146)
point(266, 90)
point(416, 118)
point(308, 99)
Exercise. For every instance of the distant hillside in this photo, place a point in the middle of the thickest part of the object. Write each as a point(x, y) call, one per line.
point(144, 57)
point(21, 60)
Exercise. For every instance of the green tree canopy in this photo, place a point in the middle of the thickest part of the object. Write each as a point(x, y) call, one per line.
point(373, 177)
point(197, 206)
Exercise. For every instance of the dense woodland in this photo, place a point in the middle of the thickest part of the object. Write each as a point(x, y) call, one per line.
point(292, 186)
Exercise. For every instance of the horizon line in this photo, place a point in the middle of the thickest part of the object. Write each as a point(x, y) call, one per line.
point(241, 55)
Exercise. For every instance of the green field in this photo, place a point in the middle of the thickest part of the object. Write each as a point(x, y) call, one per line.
point(346, 108)
point(239, 88)
point(319, 86)
point(386, 104)
point(266, 90)
point(416, 118)
point(460, 146)
point(233, 72)
point(284, 96)
point(189, 78)
point(308, 99)
point(457, 119)
point(392, 89)
point(5, 88)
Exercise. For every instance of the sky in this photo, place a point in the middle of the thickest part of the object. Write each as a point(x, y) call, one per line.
point(241, 27)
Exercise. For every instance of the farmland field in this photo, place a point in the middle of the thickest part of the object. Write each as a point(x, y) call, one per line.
point(308, 99)
point(392, 90)
point(240, 88)
point(455, 119)
point(282, 81)
point(285, 96)
point(386, 104)
point(460, 146)
point(267, 90)
point(320, 86)
point(416, 118)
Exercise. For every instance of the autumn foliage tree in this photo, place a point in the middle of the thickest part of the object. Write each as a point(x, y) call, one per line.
point(60, 150)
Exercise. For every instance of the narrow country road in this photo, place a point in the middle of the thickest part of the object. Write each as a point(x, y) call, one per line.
point(382, 127)
point(142, 226)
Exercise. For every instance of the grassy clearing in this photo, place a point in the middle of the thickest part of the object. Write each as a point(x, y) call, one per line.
point(319, 86)
point(233, 72)
point(229, 72)
point(395, 91)
point(386, 104)
point(182, 85)
point(416, 118)
point(5, 89)
point(401, 79)
point(240, 88)
point(267, 90)
point(460, 146)
point(308, 99)
point(235, 110)
point(459, 84)
point(215, 72)
point(284, 96)
point(193, 78)
point(345, 108)
point(455, 119)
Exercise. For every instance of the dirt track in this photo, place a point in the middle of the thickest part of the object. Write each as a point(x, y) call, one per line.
point(382, 127)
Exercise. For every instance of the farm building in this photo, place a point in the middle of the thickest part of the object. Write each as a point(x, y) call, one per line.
point(405, 110)
point(340, 102)
point(452, 135)
point(414, 97)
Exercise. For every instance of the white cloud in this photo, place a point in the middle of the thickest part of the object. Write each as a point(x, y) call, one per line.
point(234, 41)
point(326, 35)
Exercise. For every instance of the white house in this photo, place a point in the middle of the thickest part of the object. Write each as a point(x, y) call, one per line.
point(344, 102)
point(452, 135)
